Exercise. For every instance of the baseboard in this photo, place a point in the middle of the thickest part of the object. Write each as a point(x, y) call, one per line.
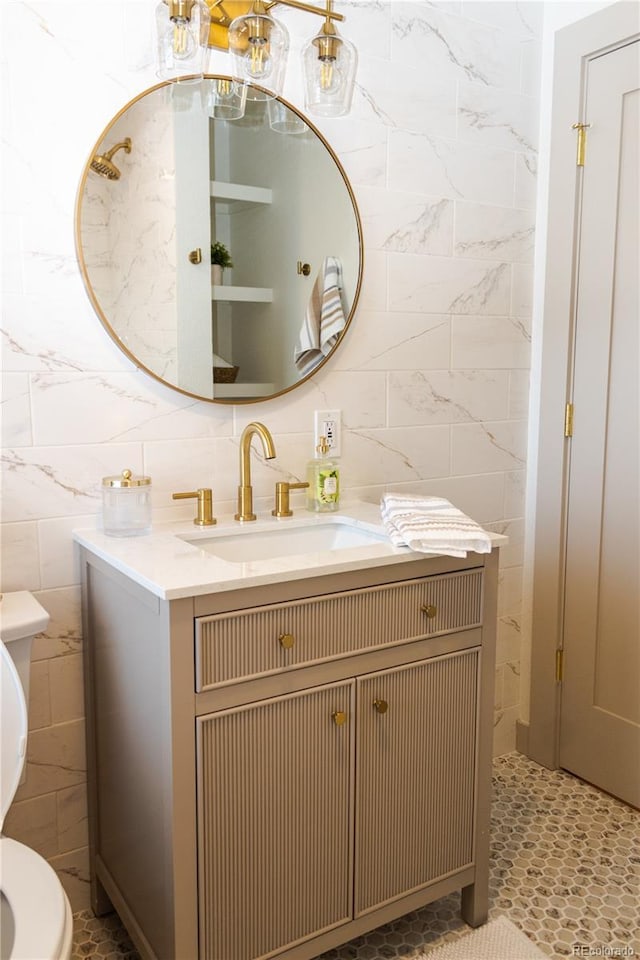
point(522, 737)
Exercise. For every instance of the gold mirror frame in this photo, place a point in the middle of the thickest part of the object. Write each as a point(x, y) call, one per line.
point(105, 138)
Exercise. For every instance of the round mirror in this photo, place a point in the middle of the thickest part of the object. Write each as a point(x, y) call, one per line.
point(224, 256)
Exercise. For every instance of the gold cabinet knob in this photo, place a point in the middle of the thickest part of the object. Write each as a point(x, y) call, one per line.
point(381, 706)
point(286, 640)
point(195, 256)
point(429, 609)
point(339, 717)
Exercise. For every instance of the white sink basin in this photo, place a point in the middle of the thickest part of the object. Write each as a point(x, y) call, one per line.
point(247, 544)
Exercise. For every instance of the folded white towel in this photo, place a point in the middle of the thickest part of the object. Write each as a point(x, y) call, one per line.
point(324, 318)
point(431, 525)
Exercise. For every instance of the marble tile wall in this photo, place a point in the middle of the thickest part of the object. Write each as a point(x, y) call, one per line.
point(432, 378)
point(112, 213)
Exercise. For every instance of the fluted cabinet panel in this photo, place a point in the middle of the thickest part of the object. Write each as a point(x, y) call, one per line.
point(415, 776)
point(243, 645)
point(275, 834)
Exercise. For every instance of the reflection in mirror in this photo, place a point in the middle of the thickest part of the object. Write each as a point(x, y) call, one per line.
point(268, 189)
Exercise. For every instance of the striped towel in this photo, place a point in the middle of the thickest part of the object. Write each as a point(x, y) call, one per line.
point(324, 318)
point(431, 525)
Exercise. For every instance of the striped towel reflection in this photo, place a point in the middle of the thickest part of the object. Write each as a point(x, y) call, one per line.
point(324, 318)
point(431, 525)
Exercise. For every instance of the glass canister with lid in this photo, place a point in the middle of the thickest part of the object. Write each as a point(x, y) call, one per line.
point(126, 505)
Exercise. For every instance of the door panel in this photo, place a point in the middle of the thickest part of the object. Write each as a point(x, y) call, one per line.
point(415, 776)
point(600, 713)
point(274, 822)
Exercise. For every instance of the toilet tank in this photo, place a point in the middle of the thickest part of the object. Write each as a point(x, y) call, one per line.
point(21, 617)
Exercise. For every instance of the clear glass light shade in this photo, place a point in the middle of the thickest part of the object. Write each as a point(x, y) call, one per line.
point(284, 120)
point(259, 45)
point(187, 97)
point(329, 63)
point(182, 33)
point(227, 99)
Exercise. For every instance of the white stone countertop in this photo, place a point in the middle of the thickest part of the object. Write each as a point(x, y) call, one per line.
point(170, 566)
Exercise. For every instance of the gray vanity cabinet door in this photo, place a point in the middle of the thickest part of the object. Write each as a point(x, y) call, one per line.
point(416, 750)
point(275, 812)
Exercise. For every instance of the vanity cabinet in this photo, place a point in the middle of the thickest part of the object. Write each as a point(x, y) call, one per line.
point(278, 769)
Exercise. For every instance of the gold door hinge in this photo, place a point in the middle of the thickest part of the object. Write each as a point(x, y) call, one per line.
point(568, 420)
point(582, 142)
point(559, 666)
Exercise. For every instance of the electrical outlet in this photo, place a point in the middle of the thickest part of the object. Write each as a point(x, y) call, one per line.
point(327, 424)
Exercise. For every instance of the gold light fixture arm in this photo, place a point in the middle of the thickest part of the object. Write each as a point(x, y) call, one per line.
point(328, 13)
point(224, 11)
point(218, 13)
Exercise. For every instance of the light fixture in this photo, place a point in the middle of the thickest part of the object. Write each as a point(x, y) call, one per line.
point(329, 64)
point(182, 29)
point(227, 99)
point(284, 120)
point(258, 45)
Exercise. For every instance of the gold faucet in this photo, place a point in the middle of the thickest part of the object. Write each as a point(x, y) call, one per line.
point(245, 493)
point(204, 496)
point(283, 506)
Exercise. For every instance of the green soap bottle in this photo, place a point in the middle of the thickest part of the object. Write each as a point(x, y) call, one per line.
point(323, 475)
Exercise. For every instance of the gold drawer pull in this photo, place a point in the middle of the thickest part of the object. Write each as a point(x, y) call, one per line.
point(381, 706)
point(429, 609)
point(339, 717)
point(287, 640)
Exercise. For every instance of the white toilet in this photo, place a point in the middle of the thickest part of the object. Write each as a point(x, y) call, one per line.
point(36, 921)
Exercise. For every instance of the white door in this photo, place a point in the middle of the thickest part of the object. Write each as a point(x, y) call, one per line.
point(600, 711)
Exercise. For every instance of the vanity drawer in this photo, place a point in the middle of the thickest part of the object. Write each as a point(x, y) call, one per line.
point(270, 639)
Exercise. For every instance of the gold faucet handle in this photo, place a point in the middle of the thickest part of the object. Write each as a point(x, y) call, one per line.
point(204, 496)
point(283, 507)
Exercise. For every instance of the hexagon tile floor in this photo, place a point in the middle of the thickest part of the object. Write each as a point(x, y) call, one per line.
point(565, 868)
